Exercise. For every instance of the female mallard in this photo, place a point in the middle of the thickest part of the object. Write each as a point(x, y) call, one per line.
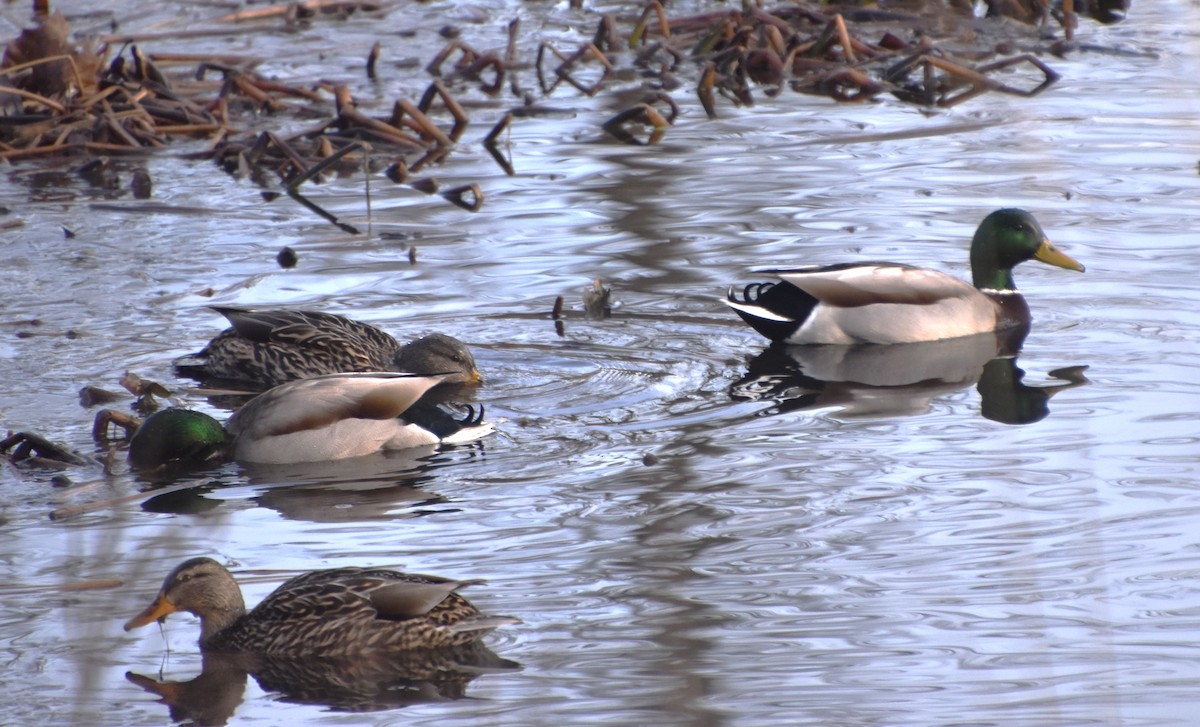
point(312, 420)
point(270, 347)
point(329, 613)
point(894, 303)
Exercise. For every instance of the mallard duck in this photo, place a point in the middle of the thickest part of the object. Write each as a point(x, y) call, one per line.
point(311, 420)
point(879, 302)
point(269, 347)
point(326, 613)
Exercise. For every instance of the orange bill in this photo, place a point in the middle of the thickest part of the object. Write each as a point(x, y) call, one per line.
point(160, 609)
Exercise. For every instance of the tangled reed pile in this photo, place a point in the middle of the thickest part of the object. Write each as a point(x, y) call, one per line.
point(58, 96)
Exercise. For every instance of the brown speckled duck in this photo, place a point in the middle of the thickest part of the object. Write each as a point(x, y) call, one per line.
point(331, 613)
point(266, 348)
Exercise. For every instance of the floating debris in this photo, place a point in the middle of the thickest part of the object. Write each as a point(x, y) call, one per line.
point(31, 449)
point(106, 419)
point(287, 258)
point(429, 185)
point(90, 396)
point(372, 59)
point(642, 114)
point(468, 196)
point(145, 390)
point(596, 300)
point(140, 184)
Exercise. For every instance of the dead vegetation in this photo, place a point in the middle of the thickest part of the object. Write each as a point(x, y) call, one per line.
point(95, 97)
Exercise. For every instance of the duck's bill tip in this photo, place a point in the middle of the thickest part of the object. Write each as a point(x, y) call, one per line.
point(1051, 255)
point(157, 611)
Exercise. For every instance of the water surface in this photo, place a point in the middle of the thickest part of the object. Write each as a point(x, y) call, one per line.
point(692, 534)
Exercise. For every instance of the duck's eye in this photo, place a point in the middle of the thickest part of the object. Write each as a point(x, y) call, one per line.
point(1020, 227)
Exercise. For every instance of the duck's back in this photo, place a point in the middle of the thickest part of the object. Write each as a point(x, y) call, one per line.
point(271, 347)
point(348, 610)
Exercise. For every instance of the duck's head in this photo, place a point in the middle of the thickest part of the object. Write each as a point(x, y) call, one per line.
point(200, 586)
point(438, 353)
point(1007, 238)
point(178, 438)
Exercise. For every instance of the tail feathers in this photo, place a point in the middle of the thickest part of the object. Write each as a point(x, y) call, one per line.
point(446, 427)
point(755, 311)
point(775, 310)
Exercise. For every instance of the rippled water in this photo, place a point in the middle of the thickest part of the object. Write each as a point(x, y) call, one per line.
point(692, 533)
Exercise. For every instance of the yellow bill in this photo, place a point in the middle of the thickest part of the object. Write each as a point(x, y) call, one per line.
point(1051, 255)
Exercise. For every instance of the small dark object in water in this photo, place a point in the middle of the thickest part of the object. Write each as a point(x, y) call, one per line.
point(398, 172)
point(764, 66)
point(145, 390)
point(468, 196)
point(1105, 11)
point(34, 448)
point(106, 419)
point(99, 173)
point(437, 90)
point(429, 185)
point(641, 114)
point(563, 71)
point(141, 185)
point(287, 258)
point(489, 143)
point(90, 396)
point(372, 59)
point(596, 305)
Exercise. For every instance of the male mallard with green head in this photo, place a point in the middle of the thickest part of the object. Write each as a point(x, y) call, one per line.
point(878, 302)
point(318, 419)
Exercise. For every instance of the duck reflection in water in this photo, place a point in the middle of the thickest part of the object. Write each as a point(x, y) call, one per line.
point(368, 683)
point(902, 379)
point(377, 488)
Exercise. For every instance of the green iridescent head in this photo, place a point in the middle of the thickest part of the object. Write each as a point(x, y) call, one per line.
point(178, 438)
point(1007, 238)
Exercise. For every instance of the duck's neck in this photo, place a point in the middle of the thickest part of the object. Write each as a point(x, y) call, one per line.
point(988, 272)
point(220, 616)
point(991, 263)
point(1000, 281)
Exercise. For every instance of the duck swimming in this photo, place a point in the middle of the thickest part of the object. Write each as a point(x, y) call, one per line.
point(329, 613)
point(265, 348)
point(311, 420)
point(883, 303)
